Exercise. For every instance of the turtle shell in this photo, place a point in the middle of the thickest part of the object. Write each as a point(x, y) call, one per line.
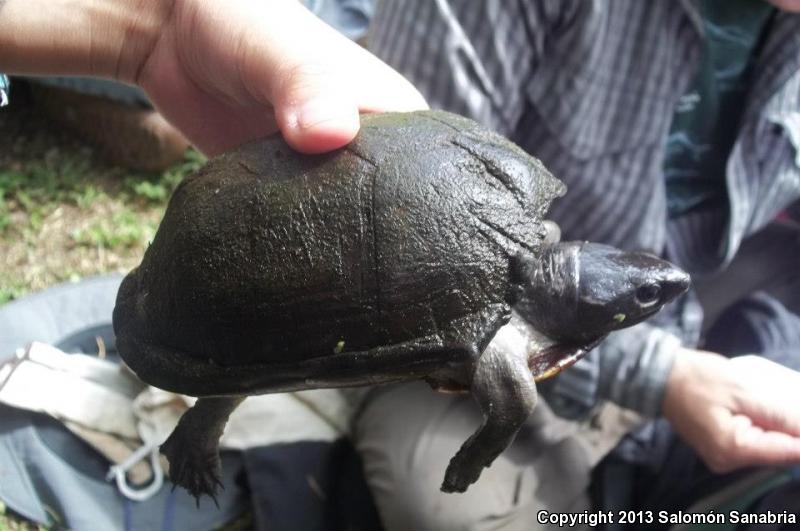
point(265, 255)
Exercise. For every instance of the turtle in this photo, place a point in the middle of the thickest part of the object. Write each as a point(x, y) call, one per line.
point(398, 257)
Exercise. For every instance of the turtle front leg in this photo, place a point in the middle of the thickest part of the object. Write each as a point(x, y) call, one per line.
point(193, 447)
point(505, 391)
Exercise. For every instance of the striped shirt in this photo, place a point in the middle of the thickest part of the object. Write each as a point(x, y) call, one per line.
point(590, 87)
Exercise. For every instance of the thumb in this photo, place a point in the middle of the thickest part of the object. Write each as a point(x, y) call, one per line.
point(317, 80)
point(299, 65)
point(313, 111)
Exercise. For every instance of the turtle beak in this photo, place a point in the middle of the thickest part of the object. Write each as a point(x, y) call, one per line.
point(674, 283)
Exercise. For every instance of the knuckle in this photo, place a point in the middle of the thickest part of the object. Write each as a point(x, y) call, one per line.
point(299, 81)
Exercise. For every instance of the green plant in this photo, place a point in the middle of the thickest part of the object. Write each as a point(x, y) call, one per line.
point(5, 215)
point(123, 230)
point(156, 192)
point(157, 188)
point(86, 197)
point(9, 293)
point(35, 187)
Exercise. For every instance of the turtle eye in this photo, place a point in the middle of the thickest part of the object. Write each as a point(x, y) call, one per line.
point(648, 294)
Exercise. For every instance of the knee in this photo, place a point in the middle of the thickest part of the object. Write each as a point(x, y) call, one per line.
point(414, 504)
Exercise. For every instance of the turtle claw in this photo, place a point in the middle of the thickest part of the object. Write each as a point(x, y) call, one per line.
point(195, 469)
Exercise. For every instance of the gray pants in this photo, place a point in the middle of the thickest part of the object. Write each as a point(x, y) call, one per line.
point(406, 435)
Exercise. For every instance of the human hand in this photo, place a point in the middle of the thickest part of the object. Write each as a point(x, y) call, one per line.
point(227, 72)
point(223, 72)
point(735, 412)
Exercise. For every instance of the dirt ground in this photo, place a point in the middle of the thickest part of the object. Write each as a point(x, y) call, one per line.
point(65, 213)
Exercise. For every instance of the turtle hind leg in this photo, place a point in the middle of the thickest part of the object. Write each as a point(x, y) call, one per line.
point(505, 391)
point(192, 448)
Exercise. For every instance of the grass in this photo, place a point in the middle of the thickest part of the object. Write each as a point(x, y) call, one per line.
point(64, 213)
point(10, 522)
point(10, 290)
point(124, 230)
point(158, 188)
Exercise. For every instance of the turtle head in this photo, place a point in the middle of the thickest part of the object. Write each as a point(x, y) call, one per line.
point(577, 292)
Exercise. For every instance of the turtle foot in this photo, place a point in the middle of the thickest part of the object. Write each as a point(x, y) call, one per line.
point(460, 475)
point(193, 467)
point(193, 447)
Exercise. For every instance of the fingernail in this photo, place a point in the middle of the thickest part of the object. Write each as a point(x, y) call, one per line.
point(324, 110)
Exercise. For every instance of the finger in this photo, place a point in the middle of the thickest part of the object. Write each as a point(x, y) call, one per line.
point(770, 398)
point(218, 127)
point(381, 88)
point(317, 80)
point(314, 112)
point(754, 446)
point(778, 416)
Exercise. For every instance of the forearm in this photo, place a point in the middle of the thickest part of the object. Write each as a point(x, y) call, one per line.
point(635, 367)
point(630, 368)
point(103, 38)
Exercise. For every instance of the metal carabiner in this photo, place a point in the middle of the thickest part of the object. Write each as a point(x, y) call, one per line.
point(118, 473)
